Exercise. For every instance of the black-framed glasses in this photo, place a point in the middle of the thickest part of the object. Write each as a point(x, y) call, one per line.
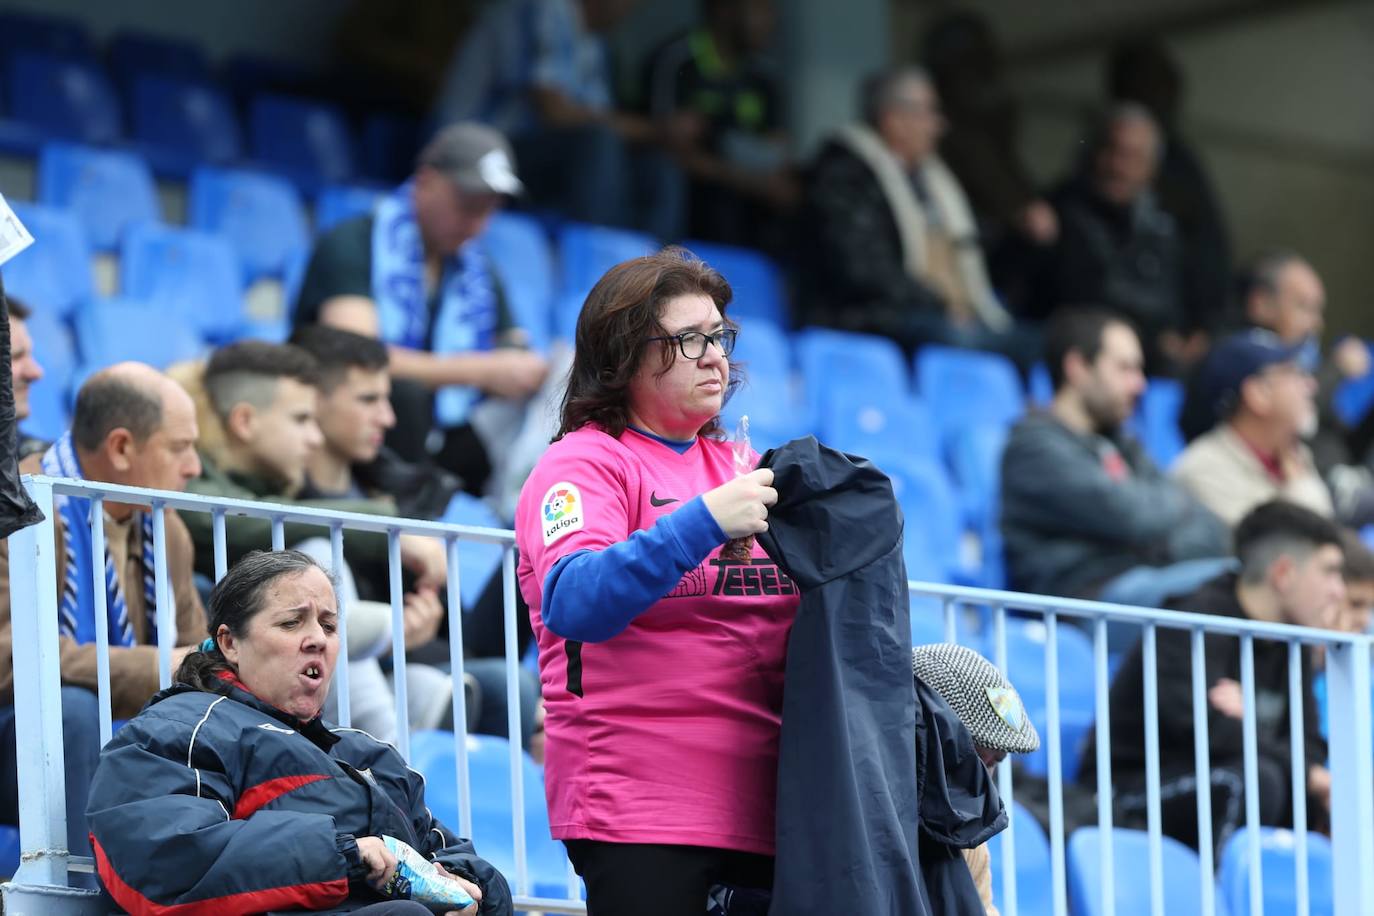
point(693, 343)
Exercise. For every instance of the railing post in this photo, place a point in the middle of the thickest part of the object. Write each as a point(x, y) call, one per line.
point(38, 698)
point(1352, 777)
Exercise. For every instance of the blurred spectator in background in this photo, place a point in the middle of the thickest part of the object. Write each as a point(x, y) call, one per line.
point(352, 464)
point(1085, 512)
point(264, 400)
point(24, 371)
point(980, 142)
point(718, 102)
point(890, 245)
point(1357, 610)
point(1141, 70)
point(135, 427)
point(1116, 247)
point(1264, 397)
point(1290, 572)
point(400, 51)
point(411, 275)
point(538, 70)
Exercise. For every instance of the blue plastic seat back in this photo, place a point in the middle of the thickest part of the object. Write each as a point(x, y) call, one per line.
point(764, 352)
point(305, 138)
point(477, 562)
point(757, 283)
point(1026, 650)
point(586, 252)
point(520, 250)
point(975, 455)
point(1032, 847)
point(775, 414)
point(9, 851)
point(1156, 420)
point(1133, 895)
point(193, 273)
point(831, 359)
point(107, 190)
point(26, 31)
point(432, 753)
point(1354, 397)
point(259, 213)
point(339, 202)
point(1278, 865)
point(188, 117)
point(133, 54)
point(69, 97)
point(50, 398)
point(932, 532)
point(54, 273)
point(116, 329)
point(1040, 387)
point(968, 386)
point(878, 422)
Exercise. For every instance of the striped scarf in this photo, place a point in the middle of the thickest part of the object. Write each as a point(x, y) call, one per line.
point(76, 614)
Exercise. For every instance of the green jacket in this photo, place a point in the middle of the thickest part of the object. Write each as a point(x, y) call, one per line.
point(364, 551)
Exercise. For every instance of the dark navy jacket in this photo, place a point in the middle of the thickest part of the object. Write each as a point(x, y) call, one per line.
point(218, 803)
point(869, 821)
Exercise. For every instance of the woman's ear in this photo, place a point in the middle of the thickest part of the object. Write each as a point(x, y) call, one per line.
point(228, 645)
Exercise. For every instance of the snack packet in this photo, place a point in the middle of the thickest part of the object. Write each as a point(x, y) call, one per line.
point(428, 883)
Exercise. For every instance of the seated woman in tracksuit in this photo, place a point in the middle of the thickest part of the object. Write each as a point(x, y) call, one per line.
point(228, 794)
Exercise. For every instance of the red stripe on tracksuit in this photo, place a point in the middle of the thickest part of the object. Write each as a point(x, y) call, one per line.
point(317, 896)
point(265, 792)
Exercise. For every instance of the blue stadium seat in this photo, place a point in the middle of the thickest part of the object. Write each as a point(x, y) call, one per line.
point(764, 351)
point(1183, 878)
point(520, 249)
point(194, 274)
point(116, 329)
point(835, 364)
point(310, 141)
point(134, 54)
point(775, 415)
point(50, 399)
point(69, 98)
point(1033, 891)
point(975, 456)
point(106, 190)
point(9, 851)
point(432, 754)
point(586, 252)
point(933, 530)
point(184, 122)
point(1278, 865)
point(756, 280)
point(1353, 398)
point(477, 562)
point(1156, 420)
point(339, 202)
point(1041, 386)
point(260, 214)
point(1026, 641)
point(877, 422)
point(24, 31)
point(54, 273)
point(968, 386)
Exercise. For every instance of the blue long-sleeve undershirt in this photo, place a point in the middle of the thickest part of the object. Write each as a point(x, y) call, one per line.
point(592, 595)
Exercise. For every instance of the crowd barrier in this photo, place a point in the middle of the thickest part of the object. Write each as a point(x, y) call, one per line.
point(42, 885)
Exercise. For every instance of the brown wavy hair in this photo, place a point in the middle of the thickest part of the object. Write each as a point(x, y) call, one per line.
point(622, 311)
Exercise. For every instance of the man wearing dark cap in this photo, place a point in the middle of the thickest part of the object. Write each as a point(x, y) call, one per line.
point(409, 274)
point(1264, 400)
point(991, 709)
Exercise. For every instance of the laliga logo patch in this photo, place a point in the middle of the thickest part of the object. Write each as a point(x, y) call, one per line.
point(561, 511)
point(1005, 705)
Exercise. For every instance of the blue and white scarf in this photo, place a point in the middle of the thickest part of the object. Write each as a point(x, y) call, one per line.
point(76, 614)
point(467, 316)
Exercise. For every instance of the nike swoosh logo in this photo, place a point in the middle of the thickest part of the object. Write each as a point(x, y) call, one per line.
point(655, 501)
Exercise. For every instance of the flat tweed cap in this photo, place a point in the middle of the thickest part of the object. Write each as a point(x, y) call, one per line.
point(980, 696)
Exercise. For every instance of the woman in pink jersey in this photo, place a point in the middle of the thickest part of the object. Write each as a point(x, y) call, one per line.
point(661, 662)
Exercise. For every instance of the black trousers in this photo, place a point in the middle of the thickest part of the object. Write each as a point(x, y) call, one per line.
point(627, 879)
point(460, 452)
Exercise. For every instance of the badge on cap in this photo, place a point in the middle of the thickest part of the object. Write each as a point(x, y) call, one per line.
point(1007, 707)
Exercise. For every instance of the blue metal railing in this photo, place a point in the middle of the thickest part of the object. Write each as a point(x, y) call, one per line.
point(42, 886)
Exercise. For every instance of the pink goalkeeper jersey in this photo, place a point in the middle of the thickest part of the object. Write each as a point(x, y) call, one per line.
point(674, 736)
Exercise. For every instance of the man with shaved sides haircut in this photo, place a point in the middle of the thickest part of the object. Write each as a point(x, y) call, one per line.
point(135, 427)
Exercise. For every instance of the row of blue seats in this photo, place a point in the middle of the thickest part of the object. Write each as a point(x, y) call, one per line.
point(164, 102)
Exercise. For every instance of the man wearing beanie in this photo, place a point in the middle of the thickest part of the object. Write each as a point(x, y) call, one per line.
point(991, 709)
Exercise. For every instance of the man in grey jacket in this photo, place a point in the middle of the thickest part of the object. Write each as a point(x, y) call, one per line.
point(1085, 512)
